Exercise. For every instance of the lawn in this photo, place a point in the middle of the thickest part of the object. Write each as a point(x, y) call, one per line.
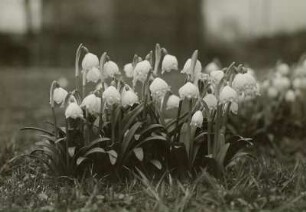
point(274, 179)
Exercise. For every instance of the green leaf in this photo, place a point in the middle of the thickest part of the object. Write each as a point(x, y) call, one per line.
point(37, 129)
point(138, 153)
point(81, 160)
point(152, 138)
point(129, 137)
point(94, 150)
point(157, 164)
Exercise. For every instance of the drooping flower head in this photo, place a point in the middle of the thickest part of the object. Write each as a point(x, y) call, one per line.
point(169, 63)
point(212, 66)
point(128, 70)
point(92, 103)
point(158, 88)
point(73, 111)
point(197, 119)
point(245, 84)
point(228, 94)
point(216, 77)
point(272, 92)
point(59, 95)
point(290, 96)
point(110, 69)
point(281, 83)
point(283, 69)
point(93, 75)
point(189, 91)
point(89, 61)
point(234, 107)
point(111, 96)
point(128, 97)
point(211, 101)
point(187, 67)
point(141, 71)
point(173, 102)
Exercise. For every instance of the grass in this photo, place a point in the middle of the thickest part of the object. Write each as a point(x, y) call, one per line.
point(275, 180)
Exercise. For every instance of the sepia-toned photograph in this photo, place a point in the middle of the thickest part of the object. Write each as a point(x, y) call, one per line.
point(152, 105)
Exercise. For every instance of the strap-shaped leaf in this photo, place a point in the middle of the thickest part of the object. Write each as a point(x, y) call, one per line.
point(37, 129)
point(157, 164)
point(112, 154)
point(94, 150)
point(129, 137)
point(152, 138)
point(81, 160)
point(152, 128)
point(138, 153)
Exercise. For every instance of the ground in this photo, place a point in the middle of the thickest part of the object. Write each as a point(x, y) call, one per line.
point(274, 179)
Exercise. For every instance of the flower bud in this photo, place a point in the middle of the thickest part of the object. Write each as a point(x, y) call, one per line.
point(169, 63)
point(111, 69)
point(189, 91)
point(73, 111)
point(197, 119)
point(59, 95)
point(211, 101)
point(228, 94)
point(141, 71)
point(290, 96)
point(212, 66)
point(128, 70)
point(128, 98)
point(187, 68)
point(111, 96)
point(173, 102)
point(92, 103)
point(272, 92)
point(90, 60)
point(158, 88)
point(216, 77)
point(93, 75)
point(283, 69)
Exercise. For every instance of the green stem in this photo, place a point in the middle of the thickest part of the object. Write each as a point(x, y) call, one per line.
point(189, 131)
point(177, 121)
point(209, 135)
point(55, 121)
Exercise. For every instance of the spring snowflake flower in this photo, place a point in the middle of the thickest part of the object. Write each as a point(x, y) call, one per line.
point(290, 96)
point(128, 70)
point(173, 102)
point(281, 83)
point(141, 71)
point(212, 66)
point(216, 77)
point(189, 91)
point(234, 107)
point(59, 95)
point(92, 103)
point(73, 111)
point(169, 63)
point(197, 119)
point(272, 92)
point(111, 96)
point(128, 98)
point(245, 84)
point(158, 88)
point(283, 69)
point(63, 82)
point(211, 101)
point(228, 94)
point(111, 69)
point(93, 75)
point(90, 60)
point(187, 68)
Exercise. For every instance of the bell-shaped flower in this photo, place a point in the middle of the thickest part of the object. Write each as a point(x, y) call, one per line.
point(197, 119)
point(90, 60)
point(169, 63)
point(128, 70)
point(111, 96)
point(141, 71)
point(212, 66)
point(290, 96)
point(187, 67)
point(92, 104)
point(93, 75)
point(173, 102)
point(245, 84)
point(283, 69)
point(73, 111)
point(211, 101)
point(59, 95)
point(189, 91)
point(272, 92)
point(158, 88)
point(228, 94)
point(216, 77)
point(63, 82)
point(110, 69)
point(128, 98)
point(234, 107)
point(281, 83)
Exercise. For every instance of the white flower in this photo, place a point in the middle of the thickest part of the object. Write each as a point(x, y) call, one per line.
point(128, 70)
point(111, 69)
point(281, 83)
point(245, 84)
point(297, 83)
point(189, 91)
point(187, 68)
point(141, 71)
point(212, 66)
point(128, 98)
point(90, 60)
point(234, 107)
point(197, 119)
point(173, 102)
point(169, 63)
point(265, 84)
point(158, 88)
point(93, 75)
point(92, 103)
point(272, 92)
point(283, 69)
point(228, 94)
point(211, 101)
point(59, 95)
point(111, 96)
point(73, 111)
point(63, 82)
point(216, 77)
point(290, 96)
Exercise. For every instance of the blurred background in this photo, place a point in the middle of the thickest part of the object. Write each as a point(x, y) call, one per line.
point(38, 40)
